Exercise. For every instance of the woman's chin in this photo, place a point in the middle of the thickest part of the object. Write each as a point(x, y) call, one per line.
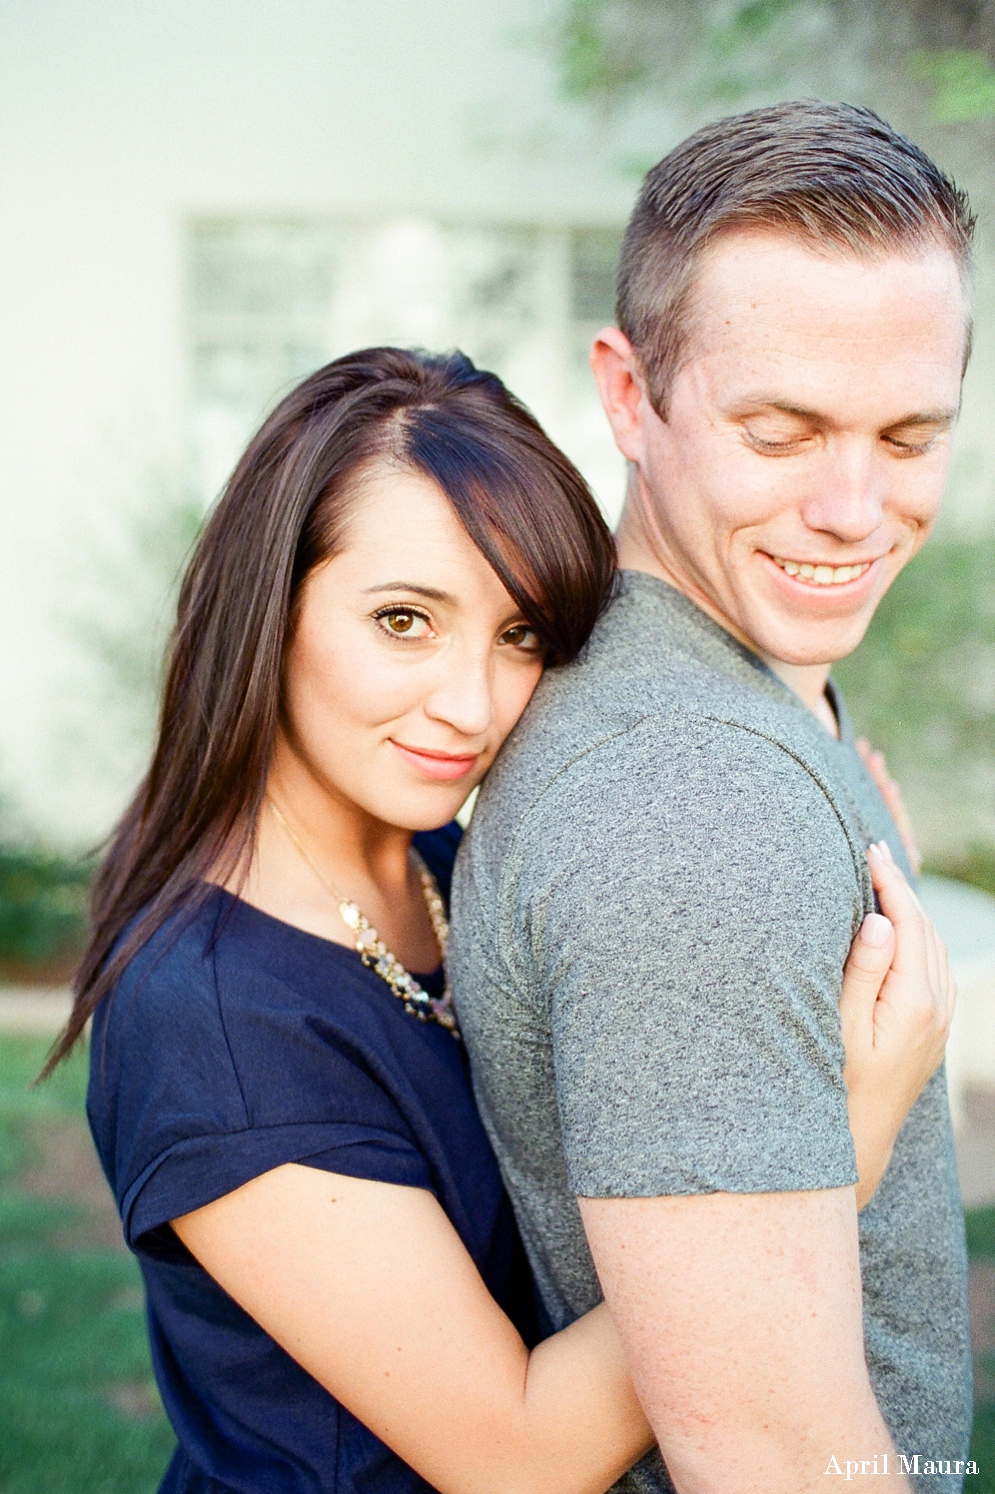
point(424, 811)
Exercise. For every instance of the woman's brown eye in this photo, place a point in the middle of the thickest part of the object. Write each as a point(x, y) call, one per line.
point(521, 637)
point(402, 622)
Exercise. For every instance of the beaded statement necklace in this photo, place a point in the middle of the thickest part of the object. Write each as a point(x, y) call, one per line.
point(375, 954)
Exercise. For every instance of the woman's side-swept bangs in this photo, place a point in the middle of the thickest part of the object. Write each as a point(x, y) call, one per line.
point(526, 508)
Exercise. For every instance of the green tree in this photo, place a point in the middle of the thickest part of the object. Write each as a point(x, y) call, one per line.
point(935, 55)
point(117, 616)
point(922, 686)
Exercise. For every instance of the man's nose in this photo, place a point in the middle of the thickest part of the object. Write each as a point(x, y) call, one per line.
point(848, 499)
point(463, 696)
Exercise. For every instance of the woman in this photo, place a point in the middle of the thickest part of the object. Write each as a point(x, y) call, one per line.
point(337, 1297)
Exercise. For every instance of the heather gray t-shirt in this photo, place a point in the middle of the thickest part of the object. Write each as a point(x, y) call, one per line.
point(651, 913)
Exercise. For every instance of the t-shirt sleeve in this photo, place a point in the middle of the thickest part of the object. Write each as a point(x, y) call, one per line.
point(189, 1100)
point(691, 958)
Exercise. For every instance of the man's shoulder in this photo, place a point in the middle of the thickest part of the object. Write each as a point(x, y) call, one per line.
point(667, 737)
point(643, 723)
point(654, 653)
point(670, 762)
point(677, 798)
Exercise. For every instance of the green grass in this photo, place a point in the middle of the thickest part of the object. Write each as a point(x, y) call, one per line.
point(981, 1247)
point(983, 1450)
point(78, 1408)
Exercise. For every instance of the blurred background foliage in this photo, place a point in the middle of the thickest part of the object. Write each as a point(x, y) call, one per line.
point(42, 912)
point(118, 618)
point(932, 53)
point(922, 686)
point(116, 622)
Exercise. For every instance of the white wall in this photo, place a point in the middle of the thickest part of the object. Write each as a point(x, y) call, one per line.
point(120, 121)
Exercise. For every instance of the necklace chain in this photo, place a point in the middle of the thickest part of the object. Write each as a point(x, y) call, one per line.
point(375, 954)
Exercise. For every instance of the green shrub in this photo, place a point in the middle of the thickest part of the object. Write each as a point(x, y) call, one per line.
point(981, 1233)
point(43, 902)
point(976, 866)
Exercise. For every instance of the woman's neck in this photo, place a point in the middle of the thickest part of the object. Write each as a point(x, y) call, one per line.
point(348, 843)
point(313, 847)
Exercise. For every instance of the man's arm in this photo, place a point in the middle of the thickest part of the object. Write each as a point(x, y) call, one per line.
point(741, 1318)
point(693, 960)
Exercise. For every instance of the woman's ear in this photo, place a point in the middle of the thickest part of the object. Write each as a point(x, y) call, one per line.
point(620, 383)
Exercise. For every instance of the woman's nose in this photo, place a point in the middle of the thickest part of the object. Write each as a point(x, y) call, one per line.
point(463, 697)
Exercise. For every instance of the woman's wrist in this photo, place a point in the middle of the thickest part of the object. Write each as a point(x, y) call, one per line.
point(874, 1129)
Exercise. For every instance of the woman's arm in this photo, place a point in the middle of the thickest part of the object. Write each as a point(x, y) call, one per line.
point(895, 1009)
point(368, 1286)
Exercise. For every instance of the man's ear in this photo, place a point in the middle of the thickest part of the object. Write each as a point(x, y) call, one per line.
point(619, 378)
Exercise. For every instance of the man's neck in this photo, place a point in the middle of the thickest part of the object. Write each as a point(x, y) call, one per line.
point(808, 682)
point(637, 552)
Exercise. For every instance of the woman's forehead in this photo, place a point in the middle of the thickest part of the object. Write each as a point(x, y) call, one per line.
point(402, 534)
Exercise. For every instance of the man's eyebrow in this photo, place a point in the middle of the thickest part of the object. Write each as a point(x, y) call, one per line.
point(428, 592)
point(762, 402)
point(926, 417)
point(919, 417)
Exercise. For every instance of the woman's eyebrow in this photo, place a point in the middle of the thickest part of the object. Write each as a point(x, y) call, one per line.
point(429, 592)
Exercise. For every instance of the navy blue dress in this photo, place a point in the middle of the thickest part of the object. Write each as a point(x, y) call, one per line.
point(235, 1043)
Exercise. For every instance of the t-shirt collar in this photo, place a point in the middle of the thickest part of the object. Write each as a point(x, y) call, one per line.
point(692, 629)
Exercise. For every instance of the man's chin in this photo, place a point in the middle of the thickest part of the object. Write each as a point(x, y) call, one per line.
point(810, 645)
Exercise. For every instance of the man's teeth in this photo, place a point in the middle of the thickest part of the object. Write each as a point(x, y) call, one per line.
point(822, 575)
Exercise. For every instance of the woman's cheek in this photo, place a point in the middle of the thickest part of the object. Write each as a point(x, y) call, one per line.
point(517, 684)
point(369, 687)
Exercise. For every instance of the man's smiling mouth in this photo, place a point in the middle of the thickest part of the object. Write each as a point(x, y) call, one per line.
point(822, 575)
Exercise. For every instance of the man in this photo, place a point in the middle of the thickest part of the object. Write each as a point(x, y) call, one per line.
point(667, 866)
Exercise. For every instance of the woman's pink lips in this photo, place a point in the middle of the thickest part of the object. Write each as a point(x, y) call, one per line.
point(444, 765)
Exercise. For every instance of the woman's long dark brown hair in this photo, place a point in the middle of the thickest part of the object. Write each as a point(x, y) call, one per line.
point(282, 513)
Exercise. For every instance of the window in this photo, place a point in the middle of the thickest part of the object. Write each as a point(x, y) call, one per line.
point(271, 299)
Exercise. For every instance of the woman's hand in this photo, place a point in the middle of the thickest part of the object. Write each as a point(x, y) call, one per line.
point(895, 1010)
point(892, 795)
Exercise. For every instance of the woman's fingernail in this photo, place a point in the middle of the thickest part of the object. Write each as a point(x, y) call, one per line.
point(875, 930)
point(874, 849)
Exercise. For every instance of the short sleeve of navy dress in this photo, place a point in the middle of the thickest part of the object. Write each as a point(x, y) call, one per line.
point(235, 1043)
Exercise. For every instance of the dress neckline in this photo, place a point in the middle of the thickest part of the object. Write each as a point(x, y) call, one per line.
point(426, 979)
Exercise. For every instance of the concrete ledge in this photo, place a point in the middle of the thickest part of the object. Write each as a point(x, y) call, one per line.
point(976, 1149)
point(34, 1010)
point(965, 918)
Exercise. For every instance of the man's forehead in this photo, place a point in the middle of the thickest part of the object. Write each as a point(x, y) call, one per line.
point(758, 279)
point(779, 321)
